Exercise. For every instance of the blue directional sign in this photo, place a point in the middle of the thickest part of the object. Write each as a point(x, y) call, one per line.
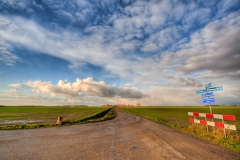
point(201, 91)
point(213, 89)
point(209, 94)
point(208, 85)
point(208, 100)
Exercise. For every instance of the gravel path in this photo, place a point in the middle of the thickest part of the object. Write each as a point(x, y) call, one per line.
point(125, 137)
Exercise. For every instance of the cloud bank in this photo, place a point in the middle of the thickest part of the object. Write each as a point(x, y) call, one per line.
point(86, 86)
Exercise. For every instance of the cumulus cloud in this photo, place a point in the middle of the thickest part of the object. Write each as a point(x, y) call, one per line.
point(88, 86)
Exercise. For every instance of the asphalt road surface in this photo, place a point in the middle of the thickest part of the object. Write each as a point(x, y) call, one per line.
point(126, 137)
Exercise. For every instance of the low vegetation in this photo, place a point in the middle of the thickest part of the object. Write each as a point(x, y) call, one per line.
point(102, 116)
point(21, 117)
point(177, 117)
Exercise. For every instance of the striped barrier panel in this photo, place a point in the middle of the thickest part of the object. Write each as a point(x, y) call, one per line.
point(209, 115)
point(214, 124)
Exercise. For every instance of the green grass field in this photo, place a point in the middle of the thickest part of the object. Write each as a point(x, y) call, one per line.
point(177, 117)
point(44, 115)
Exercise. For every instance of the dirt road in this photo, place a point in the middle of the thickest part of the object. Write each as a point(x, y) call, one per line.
point(125, 137)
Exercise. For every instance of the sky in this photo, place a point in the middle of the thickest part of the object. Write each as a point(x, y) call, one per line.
point(96, 52)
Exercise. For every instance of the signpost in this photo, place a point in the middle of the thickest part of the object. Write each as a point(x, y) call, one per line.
point(208, 89)
point(201, 91)
point(208, 85)
point(209, 94)
point(206, 94)
point(208, 100)
point(213, 89)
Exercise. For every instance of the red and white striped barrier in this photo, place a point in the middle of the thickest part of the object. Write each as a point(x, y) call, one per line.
point(215, 124)
point(209, 115)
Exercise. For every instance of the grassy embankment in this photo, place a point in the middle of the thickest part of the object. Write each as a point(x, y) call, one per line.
point(177, 117)
point(35, 117)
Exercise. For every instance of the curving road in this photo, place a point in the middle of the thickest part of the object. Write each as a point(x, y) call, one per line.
point(125, 137)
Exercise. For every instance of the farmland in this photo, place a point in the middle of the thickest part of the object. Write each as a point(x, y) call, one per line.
point(125, 137)
point(177, 117)
point(34, 117)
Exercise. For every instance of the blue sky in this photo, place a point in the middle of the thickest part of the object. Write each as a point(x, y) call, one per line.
point(118, 51)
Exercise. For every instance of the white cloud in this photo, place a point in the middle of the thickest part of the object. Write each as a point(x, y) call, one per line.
point(15, 98)
point(9, 58)
point(65, 16)
point(198, 15)
point(67, 45)
point(213, 50)
point(180, 81)
point(216, 47)
point(162, 39)
point(87, 86)
point(72, 100)
point(127, 46)
point(6, 56)
point(10, 91)
point(167, 96)
point(16, 85)
point(61, 88)
point(75, 65)
point(150, 47)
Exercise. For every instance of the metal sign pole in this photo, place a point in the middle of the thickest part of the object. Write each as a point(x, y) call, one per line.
point(206, 121)
point(209, 104)
point(224, 130)
point(210, 108)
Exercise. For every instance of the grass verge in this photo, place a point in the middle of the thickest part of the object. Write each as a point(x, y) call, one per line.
point(164, 116)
